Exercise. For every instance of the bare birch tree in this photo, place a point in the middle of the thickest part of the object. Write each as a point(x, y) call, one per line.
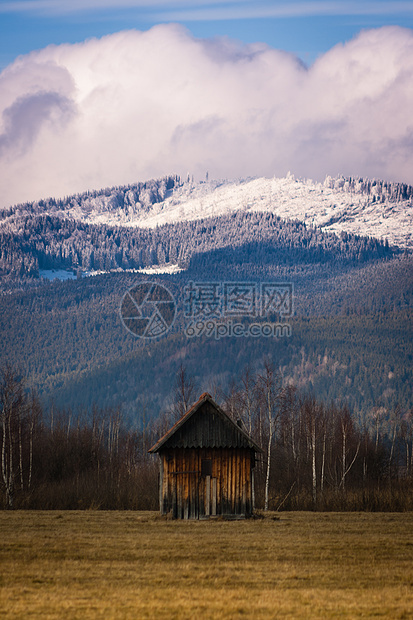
point(314, 422)
point(269, 388)
point(346, 431)
point(247, 398)
point(395, 424)
point(406, 434)
point(184, 393)
point(11, 405)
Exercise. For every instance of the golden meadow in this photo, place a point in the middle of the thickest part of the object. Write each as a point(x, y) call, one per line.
point(124, 564)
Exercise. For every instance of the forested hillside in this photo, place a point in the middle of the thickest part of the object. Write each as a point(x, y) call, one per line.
point(351, 338)
point(351, 330)
point(168, 221)
point(47, 242)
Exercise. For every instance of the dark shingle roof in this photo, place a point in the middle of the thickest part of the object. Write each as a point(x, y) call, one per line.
point(205, 425)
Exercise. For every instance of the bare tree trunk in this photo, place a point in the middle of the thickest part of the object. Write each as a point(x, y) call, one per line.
point(260, 427)
point(10, 486)
point(117, 428)
point(293, 446)
point(397, 424)
point(31, 432)
point(345, 430)
point(313, 459)
point(4, 472)
point(110, 441)
point(7, 449)
point(248, 388)
point(21, 453)
point(269, 389)
point(393, 441)
point(352, 463)
point(343, 455)
point(68, 426)
point(13, 405)
point(411, 458)
point(311, 417)
point(323, 460)
point(183, 395)
point(267, 475)
point(249, 412)
point(253, 489)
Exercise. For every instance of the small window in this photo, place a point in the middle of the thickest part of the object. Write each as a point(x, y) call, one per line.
point(206, 467)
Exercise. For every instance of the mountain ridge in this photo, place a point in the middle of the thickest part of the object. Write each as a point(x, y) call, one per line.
point(373, 208)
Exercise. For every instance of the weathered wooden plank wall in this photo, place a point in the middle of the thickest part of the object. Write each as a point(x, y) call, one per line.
point(188, 494)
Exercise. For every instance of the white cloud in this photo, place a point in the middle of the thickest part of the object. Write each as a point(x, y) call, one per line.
point(136, 105)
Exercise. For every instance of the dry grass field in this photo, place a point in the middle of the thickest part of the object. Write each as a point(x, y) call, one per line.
point(136, 565)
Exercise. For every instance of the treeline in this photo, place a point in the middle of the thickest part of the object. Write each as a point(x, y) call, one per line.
point(51, 242)
point(61, 461)
point(377, 190)
point(137, 197)
point(129, 198)
point(315, 455)
point(319, 455)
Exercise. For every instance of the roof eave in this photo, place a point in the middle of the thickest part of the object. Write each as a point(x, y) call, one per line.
point(155, 448)
point(203, 398)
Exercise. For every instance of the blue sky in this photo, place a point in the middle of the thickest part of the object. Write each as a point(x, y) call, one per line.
point(306, 28)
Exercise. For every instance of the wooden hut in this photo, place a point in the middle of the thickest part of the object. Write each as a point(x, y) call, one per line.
point(206, 465)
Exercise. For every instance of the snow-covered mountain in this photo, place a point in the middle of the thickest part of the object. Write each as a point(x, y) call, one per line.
point(364, 207)
point(327, 205)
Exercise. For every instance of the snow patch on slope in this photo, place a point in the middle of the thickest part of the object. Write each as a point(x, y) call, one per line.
point(329, 205)
point(316, 204)
point(170, 269)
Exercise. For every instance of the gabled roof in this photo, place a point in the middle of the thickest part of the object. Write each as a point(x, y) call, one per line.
point(205, 425)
